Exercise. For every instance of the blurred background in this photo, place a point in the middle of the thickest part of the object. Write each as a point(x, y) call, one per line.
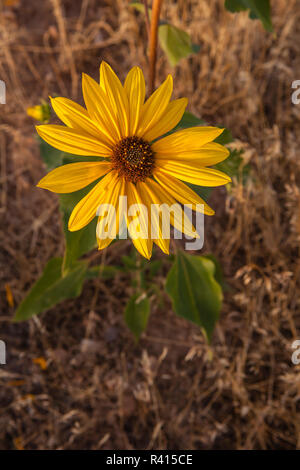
point(74, 378)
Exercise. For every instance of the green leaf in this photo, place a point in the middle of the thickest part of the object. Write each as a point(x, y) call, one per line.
point(154, 267)
point(136, 314)
point(140, 7)
point(218, 274)
point(224, 138)
point(104, 272)
point(51, 288)
point(70, 158)
point(82, 241)
point(235, 167)
point(50, 156)
point(188, 120)
point(258, 9)
point(195, 293)
point(130, 262)
point(202, 191)
point(77, 243)
point(176, 43)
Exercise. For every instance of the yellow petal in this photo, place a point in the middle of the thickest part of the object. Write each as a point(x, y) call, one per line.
point(143, 245)
point(186, 140)
point(86, 209)
point(74, 176)
point(72, 141)
point(168, 121)
point(163, 244)
point(177, 216)
point(155, 107)
point(193, 173)
point(77, 117)
point(100, 109)
point(117, 97)
point(103, 243)
point(108, 223)
point(135, 89)
point(151, 201)
point(207, 155)
point(181, 192)
point(101, 83)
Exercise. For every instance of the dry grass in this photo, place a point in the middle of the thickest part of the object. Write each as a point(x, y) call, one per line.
point(99, 390)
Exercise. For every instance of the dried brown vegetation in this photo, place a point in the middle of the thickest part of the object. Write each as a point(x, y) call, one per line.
point(99, 390)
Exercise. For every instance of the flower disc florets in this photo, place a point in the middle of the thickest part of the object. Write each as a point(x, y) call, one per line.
point(133, 158)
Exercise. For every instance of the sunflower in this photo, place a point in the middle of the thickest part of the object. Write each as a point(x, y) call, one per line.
point(138, 159)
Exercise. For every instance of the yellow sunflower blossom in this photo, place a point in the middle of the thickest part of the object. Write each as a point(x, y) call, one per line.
point(126, 131)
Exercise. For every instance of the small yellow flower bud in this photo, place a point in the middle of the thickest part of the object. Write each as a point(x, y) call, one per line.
point(40, 112)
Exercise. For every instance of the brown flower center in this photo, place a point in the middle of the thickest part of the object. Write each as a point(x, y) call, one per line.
point(133, 159)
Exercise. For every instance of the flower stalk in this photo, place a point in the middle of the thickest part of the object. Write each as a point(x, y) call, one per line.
point(156, 8)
